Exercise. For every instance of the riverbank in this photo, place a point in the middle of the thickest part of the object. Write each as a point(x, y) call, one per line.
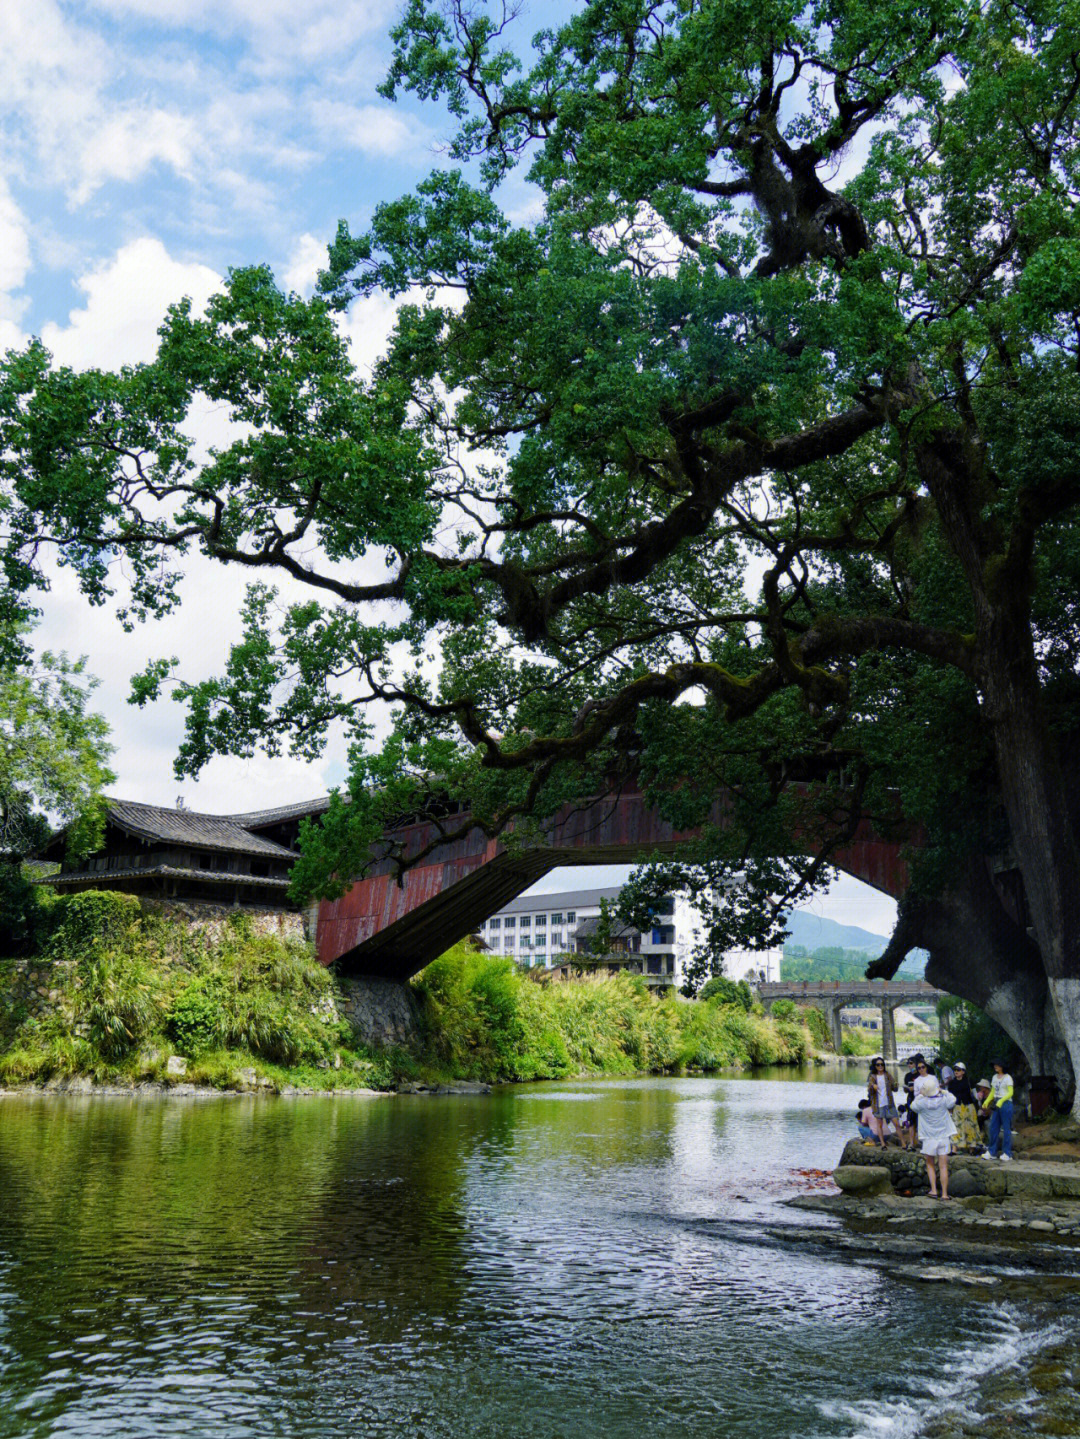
point(118, 997)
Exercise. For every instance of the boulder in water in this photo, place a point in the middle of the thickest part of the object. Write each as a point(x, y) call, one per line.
point(863, 1180)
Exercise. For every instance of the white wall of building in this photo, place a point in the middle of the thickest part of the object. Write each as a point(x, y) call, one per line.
point(536, 929)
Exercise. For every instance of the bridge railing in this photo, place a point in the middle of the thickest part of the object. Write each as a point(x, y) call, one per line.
point(878, 989)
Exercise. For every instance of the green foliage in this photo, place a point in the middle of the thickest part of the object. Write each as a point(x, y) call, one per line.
point(976, 1039)
point(90, 923)
point(818, 1025)
point(776, 395)
point(829, 962)
point(116, 1000)
point(485, 1019)
point(860, 1041)
point(54, 749)
point(195, 1020)
point(140, 983)
point(19, 908)
point(727, 991)
point(783, 1009)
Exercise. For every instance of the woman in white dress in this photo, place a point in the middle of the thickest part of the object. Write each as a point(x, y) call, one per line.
point(936, 1129)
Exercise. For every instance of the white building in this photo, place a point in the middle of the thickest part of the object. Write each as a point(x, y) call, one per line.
point(536, 929)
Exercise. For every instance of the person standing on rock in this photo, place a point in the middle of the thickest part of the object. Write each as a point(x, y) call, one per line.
point(965, 1115)
point(1000, 1106)
point(909, 1089)
point(936, 1129)
point(881, 1089)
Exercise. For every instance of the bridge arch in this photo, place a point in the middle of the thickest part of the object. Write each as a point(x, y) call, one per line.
point(387, 930)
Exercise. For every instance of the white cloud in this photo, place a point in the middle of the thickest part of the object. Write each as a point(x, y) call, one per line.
point(126, 300)
point(126, 144)
point(308, 257)
point(15, 265)
point(366, 326)
point(277, 33)
point(66, 128)
point(14, 242)
point(376, 130)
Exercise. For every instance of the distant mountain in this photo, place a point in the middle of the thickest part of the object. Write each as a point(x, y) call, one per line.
point(814, 932)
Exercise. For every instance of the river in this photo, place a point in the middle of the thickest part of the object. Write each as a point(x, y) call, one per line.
point(555, 1261)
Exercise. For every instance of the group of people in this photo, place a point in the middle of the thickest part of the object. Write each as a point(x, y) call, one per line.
point(941, 1115)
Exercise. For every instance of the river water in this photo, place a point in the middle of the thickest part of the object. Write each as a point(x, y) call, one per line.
point(553, 1261)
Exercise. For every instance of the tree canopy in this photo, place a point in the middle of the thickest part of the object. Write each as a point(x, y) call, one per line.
point(54, 753)
point(748, 464)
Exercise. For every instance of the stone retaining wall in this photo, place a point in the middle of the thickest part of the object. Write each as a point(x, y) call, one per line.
point(34, 987)
point(211, 918)
point(380, 1011)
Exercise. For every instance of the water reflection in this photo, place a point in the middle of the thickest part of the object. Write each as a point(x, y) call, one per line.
point(545, 1261)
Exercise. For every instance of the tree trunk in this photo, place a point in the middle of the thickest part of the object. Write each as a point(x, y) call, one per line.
point(997, 567)
point(980, 954)
point(1036, 802)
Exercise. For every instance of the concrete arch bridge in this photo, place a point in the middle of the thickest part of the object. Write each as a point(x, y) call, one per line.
point(832, 995)
point(386, 929)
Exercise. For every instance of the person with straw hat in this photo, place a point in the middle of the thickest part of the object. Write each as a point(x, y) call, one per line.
point(936, 1129)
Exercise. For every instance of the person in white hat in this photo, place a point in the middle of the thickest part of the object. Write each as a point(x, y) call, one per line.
point(936, 1129)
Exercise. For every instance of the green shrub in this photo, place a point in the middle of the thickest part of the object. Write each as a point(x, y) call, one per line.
point(90, 922)
point(116, 1001)
point(196, 1022)
point(818, 1025)
point(976, 1039)
point(784, 1009)
point(727, 991)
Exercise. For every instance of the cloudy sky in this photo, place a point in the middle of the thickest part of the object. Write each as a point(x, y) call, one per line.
point(149, 145)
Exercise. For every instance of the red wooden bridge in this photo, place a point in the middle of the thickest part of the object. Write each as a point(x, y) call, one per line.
point(384, 928)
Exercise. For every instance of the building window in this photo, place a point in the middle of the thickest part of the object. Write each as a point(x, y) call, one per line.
point(259, 868)
point(570, 916)
point(556, 939)
point(525, 920)
point(556, 919)
point(204, 861)
point(541, 921)
point(510, 922)
point(664, 934)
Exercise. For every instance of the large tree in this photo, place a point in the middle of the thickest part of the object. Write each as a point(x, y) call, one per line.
point(751, 460)
point(54, 752)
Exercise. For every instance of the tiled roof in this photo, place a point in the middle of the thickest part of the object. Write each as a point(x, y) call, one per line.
point(184, 826)
point(167, 870)
point(261, 818)
point(568, 899)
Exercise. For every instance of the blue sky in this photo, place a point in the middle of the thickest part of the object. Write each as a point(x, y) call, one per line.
point(149, 145)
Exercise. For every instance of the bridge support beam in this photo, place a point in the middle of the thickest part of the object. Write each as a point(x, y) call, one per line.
point(380, 1011)
point(888, 1028)
point(944, 1027)
point(832, 1009)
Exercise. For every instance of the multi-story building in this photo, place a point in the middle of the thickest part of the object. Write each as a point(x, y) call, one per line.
point(543, 929)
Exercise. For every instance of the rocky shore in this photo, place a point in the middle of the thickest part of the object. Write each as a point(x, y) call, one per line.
point(81, 1084)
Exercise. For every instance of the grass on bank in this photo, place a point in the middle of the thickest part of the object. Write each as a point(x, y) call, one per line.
point(133, 988)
